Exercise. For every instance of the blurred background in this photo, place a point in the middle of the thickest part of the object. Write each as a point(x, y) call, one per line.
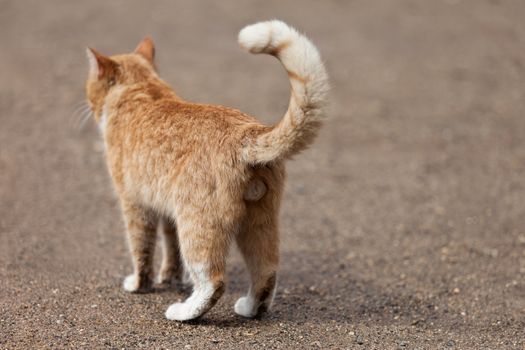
point(402, 227)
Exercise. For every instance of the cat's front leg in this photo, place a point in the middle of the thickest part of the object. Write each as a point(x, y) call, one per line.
point(142, 230)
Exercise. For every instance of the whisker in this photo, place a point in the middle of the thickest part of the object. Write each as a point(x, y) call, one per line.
point(81, 103)
point(77, 115)
point(85, 118)
point(79, 118)
point(79, 107)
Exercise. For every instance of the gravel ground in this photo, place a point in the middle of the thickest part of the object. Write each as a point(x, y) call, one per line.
point(403, 227)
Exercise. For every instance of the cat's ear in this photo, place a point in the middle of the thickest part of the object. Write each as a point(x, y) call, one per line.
point(100, 65)
point(146, 49)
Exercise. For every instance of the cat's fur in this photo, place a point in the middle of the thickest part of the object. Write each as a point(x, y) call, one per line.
point(209, 174)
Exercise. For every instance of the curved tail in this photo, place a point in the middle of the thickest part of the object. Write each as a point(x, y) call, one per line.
point(309, 84)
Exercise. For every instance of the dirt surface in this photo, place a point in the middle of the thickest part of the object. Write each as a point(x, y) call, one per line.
point(402, 228)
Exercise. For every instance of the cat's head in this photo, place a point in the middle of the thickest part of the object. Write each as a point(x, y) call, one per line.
point(109, 72)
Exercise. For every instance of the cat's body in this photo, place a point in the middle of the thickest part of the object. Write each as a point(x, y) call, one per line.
point(210, 174)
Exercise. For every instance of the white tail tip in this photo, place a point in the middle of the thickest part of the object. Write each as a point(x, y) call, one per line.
point(264, 36)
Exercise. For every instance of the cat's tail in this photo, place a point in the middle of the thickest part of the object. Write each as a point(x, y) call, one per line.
point(309, 87)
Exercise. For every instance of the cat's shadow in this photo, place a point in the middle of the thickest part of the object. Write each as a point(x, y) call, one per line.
point(184, 289)
point(302, 298)
point(349, 301)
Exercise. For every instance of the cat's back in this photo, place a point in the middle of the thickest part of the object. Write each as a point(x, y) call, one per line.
point(173, 128)
point(201, 116)
point(211, 126)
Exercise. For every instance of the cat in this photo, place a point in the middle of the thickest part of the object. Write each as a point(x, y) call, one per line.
point(208, 175)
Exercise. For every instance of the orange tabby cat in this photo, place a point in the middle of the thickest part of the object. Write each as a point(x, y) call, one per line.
point(209, 174)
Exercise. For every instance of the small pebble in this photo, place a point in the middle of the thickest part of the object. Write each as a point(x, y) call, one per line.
point(403, 344)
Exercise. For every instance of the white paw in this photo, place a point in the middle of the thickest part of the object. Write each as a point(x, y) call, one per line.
point(180, 312)
point(245, 307)
point(130, 284)
point(133, 285)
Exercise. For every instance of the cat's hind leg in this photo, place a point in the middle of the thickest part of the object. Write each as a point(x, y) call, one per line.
point(204, 246)
point(171, 269)
point(142, 231)
point(258, 242)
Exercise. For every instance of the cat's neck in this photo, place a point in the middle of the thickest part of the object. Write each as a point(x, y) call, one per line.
point(123, 97)
point(140, 93)
point(154, 88)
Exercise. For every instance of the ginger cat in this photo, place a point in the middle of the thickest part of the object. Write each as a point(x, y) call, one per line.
point(208, 174)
